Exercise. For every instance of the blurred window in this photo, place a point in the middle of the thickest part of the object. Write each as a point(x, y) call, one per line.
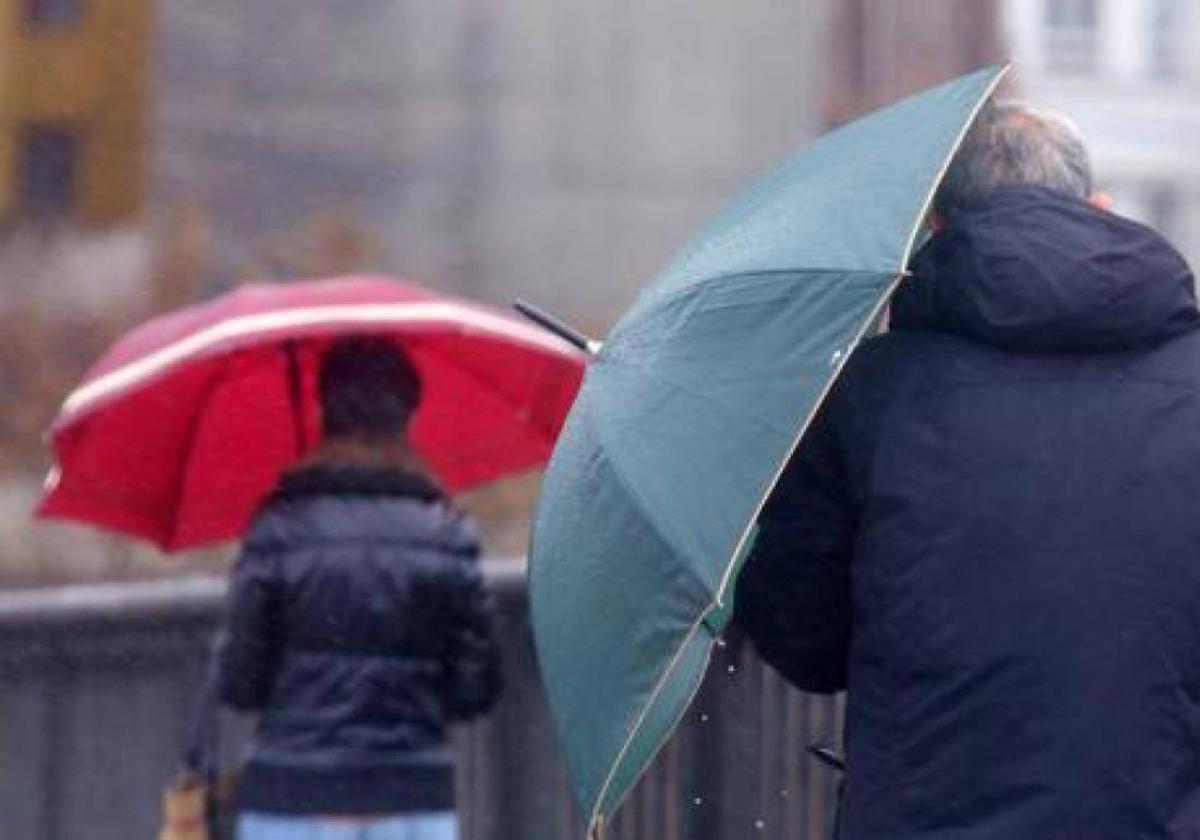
point(1072, 36)
point(1164, 50)
point(52, 12)
point(47, 161)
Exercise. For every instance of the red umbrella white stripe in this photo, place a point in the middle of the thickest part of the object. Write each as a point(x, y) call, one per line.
point(224, 335)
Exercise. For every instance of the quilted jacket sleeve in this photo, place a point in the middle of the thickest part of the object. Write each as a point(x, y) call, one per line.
point(248, 649)
point(472, 663)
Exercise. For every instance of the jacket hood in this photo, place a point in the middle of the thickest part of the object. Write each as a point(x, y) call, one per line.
point(1031, 270)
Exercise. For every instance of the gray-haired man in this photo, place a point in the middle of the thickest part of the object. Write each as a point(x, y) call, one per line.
point(991, 534)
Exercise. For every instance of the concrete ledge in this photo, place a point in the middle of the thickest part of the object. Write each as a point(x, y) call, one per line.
point(197, 596)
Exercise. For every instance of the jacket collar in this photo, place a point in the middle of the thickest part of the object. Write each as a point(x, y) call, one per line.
point(329, 479)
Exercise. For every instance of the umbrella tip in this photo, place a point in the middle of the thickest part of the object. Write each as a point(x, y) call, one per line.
point(558, 326)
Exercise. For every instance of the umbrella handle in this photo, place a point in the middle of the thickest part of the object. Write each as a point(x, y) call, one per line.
point(828, 757)
point(557, 326)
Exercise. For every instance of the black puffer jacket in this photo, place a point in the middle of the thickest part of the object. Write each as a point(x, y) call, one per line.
point(360, 627)
point(991, 537)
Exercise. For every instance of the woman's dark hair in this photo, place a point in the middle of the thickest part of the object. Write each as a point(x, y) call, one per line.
point(368, 387)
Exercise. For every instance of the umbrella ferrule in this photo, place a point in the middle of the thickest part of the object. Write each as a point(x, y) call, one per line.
point(558, 326)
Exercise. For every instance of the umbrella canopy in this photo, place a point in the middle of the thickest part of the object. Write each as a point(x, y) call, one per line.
point(185, 423)
point(689, 412)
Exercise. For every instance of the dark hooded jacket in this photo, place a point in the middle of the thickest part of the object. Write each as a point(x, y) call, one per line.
point(359, 626)
point(991, 537)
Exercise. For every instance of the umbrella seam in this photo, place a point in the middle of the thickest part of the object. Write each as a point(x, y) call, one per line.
point(633, 360)
point(692, 392)
point(642, 505)
point(703, 285)
point(171, 539)
point(506, 400)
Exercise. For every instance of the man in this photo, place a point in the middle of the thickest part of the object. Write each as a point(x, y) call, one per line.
point(990, 535)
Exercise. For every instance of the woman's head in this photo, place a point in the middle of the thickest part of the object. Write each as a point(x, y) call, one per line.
point(369, 390)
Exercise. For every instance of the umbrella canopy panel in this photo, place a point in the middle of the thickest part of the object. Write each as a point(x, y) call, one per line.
point(691, 409)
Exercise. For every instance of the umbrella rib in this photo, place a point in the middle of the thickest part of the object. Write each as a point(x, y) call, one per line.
point(491, 387)
point(187, 453)
point(630, 487)
point(701, 285)
point(635, 360)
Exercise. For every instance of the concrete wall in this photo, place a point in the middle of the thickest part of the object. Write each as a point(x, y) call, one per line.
point(96, 685)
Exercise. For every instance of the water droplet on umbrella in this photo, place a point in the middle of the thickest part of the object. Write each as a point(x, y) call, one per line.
point(703, 717)
point(783, 793)
point(836, 357)
point(697, 801)
point(732, 669)
point(721, 642)
point(759, 825)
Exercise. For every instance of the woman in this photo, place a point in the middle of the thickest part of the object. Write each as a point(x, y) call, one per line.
point(358, 625)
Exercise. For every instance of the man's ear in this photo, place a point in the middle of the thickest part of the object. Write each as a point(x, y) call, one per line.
point(1101, 201)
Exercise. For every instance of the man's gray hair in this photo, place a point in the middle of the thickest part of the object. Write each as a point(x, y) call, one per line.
point(1012, 144)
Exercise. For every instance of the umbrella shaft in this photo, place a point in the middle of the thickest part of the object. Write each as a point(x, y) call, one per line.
point(557, 326)
point(296, 393)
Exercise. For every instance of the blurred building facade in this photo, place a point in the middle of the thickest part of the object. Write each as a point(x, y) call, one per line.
point(1128, 72)
point(557, 152)
point(73, 108)
point(884, 49)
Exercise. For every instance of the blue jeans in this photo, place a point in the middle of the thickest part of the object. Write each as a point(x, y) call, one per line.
point(442, 825)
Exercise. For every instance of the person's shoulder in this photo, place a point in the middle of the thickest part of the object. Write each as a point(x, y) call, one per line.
point(889, 365)
point(419, 522)
point(277, 525)
point(1178, 355)
point(455, 530)
point(881, 358)
point(895, 346)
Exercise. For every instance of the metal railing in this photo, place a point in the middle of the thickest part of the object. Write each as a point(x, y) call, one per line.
point(96, 685)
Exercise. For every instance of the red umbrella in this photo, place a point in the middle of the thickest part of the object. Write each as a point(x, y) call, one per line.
point(179, 430)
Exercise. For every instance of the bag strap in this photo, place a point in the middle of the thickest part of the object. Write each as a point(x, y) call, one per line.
point(200, 754)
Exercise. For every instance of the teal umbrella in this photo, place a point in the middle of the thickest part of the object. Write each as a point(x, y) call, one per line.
point(688, 412)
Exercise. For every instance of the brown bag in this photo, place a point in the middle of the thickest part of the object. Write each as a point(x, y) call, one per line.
point(186, 809)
